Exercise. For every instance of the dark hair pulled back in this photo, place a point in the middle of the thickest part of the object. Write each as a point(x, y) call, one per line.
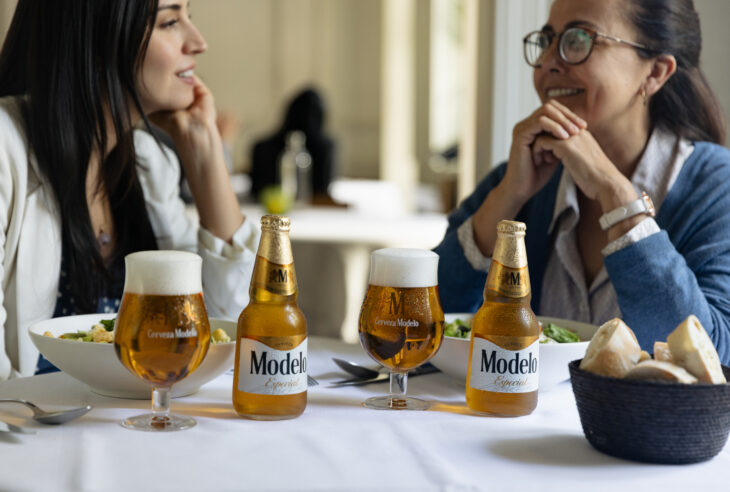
point(685, 105)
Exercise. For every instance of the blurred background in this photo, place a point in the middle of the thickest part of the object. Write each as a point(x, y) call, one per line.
point(417, 92)
point(420, 97)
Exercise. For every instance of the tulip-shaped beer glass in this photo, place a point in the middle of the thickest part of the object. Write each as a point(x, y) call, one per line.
point(401, 320)
point(162, 331)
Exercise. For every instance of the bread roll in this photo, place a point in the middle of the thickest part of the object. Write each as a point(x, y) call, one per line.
point(662, 352)
point(644, 355)
point(613, 350)
point(692, 349)
point(656, 370)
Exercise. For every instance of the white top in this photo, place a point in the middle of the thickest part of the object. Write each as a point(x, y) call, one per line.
point(335, 445)
point(30, 240)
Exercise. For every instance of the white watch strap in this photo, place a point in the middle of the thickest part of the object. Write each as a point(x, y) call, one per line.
point(643, 205)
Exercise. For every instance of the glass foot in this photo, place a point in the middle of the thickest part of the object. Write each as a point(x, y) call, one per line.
point(157, 423)
point(395, 403)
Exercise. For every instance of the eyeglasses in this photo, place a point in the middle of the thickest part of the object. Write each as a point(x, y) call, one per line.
point(575, 45)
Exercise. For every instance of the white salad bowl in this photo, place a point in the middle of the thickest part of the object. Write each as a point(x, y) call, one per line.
point(453, 356)
point(97, 365)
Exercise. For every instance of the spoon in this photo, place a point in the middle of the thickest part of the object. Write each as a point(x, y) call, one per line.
point(356, 369)
point(51, 417)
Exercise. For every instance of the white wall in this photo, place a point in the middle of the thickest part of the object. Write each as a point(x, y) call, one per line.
point(714, 19)
point(262, 51)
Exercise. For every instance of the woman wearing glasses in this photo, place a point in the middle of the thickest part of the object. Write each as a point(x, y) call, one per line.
point(83, 182)
point(626, 119)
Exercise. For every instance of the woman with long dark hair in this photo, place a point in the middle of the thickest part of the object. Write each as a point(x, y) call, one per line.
point(82, 180)
point(627, 118)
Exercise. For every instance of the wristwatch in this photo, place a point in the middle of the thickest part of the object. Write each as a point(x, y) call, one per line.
point(643, 205)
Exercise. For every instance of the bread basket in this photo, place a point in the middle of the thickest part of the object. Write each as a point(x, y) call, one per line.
point(652, 422)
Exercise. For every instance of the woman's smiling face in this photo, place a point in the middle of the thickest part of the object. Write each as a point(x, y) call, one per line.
point(165, 80)
point(605, 89)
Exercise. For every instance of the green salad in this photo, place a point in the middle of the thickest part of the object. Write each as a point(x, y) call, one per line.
point(551, 333)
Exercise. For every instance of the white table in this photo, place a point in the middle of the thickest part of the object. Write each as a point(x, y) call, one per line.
point(335, 445)
point(332, 249)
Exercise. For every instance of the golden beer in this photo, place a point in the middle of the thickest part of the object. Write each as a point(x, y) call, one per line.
point(162, 339)
point(401, 328)
point(162, 332)
point(401, 321)
point(502, 374)
point(270, 373)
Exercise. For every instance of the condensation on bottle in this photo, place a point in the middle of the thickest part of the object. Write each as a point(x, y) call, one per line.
point(502, 375)
point(270, 372)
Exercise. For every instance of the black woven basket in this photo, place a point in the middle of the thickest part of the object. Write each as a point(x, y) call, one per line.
point(652, 422)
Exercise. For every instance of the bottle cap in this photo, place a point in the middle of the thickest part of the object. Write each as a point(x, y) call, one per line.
point(511, 227)
point(275, 222)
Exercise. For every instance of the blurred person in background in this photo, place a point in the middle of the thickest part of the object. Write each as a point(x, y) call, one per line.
point(306, 114)
point(83, 182)
point(627, 118)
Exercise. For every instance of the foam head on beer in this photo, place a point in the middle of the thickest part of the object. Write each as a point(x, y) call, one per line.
point(404, 267)
point(163, 273)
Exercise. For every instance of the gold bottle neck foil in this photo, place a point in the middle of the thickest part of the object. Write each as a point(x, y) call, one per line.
point(508, 274)
point(274, 268)
point(509, 250)
point(274, 244)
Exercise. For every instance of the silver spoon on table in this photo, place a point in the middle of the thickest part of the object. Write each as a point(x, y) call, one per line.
point(44, 417)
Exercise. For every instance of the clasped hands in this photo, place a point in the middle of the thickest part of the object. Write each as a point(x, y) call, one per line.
point(553, 134)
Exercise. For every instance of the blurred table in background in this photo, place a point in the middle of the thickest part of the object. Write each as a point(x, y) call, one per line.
point(332, 248)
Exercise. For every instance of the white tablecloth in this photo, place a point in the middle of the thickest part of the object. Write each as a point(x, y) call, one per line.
point(335, 445)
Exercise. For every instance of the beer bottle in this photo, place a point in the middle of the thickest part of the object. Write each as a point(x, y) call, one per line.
point(270, 373)
point(502, 374)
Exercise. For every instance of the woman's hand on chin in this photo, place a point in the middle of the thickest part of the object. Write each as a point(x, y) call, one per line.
point(592, 171)
point(194, 129)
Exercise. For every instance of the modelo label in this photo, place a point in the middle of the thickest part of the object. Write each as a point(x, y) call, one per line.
point(499, 370)
point(266, 371)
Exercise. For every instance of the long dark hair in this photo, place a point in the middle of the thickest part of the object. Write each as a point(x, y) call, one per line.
point(73, 62)
point(685, 105)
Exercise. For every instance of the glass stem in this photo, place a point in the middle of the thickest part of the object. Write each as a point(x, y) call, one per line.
point(398, 387)
point(160, 403)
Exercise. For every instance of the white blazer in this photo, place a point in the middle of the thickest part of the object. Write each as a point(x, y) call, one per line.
point(30, 240)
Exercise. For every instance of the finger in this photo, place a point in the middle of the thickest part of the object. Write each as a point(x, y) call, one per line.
point(537, 158)
point(550, 158)
point(546, 143)
point(567, 113)
point(555, 113)
point(554, 128)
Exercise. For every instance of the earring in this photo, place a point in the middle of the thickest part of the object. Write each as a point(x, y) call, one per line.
point(643, 95)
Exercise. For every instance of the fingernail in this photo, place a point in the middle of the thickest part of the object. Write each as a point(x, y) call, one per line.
point(564, 134)
point(574, 129)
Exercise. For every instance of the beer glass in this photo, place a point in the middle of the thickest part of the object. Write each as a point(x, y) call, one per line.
point(161, 333)
point(401, 320)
